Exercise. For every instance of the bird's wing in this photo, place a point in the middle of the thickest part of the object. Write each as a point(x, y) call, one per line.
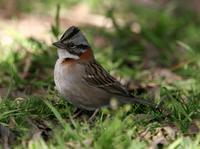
point(97, 76)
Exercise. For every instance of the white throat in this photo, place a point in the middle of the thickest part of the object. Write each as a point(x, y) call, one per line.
point(62, 53)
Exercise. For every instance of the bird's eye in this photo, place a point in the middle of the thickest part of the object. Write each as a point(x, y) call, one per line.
point(72, 45)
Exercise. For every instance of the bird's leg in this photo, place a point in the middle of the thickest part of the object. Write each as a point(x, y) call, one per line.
point(93, 115)
point(77, 113)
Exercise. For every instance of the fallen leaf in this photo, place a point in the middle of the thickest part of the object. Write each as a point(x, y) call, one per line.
point(40, 128)
point(194, 128)
point(160, 137)
point(7, 137)
point(165, 74)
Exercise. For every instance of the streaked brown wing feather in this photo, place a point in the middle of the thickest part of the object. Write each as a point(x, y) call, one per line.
point(97, 76)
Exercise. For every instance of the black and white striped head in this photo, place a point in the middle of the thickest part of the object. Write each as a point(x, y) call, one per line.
point(72, 43)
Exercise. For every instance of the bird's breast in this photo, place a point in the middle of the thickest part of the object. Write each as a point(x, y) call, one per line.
point(66, 74)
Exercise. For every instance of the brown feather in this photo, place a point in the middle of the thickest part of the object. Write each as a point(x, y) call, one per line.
point(87, 55)
point(99, 77)
point(68, 61)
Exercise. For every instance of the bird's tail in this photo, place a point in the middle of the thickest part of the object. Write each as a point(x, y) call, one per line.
point(135, 100)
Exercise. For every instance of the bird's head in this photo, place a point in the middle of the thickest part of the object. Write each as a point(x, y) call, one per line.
point(72, 44)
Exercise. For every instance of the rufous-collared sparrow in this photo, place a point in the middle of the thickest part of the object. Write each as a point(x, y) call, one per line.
point(81, 80)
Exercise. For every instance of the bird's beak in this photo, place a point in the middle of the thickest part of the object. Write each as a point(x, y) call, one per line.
point(59, 44)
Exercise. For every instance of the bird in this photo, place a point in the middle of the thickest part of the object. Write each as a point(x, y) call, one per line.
point(81, 80)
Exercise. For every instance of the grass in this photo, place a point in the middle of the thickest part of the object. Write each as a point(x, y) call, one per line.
point(40, 118)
